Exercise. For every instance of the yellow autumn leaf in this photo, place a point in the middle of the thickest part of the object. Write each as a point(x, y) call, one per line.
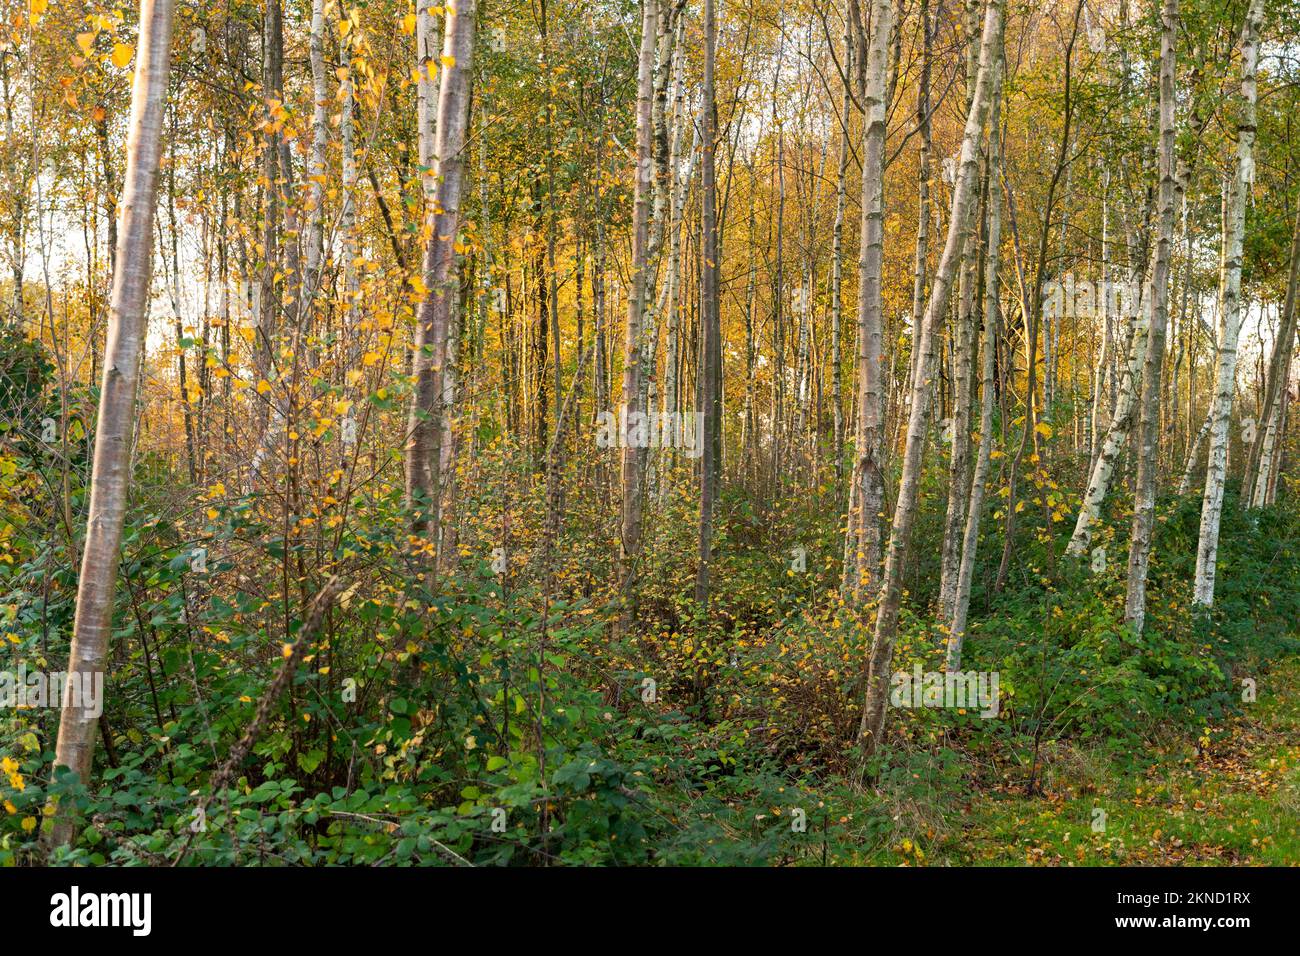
point(122, 54)
point(86, 41)
point(29, 824)
point(263, 387)
point(408, 24)
point(1043, 429)
point(37, 9)
point(447, 61)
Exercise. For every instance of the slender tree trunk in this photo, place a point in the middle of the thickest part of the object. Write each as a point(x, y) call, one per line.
point(711, 365)
point(433, 317)
point(837, 264)
point(316, 162)
point(989, 346)
point(1230, 316)
point(1148, 464)
point(426, 93)
point(1099, 380)
point(110, 475)
point(959, 464)
point(1194, 453)
point(868, 490)
point(1117, 433)
point(959, 228)
point(633, 460)
point(1258, 474)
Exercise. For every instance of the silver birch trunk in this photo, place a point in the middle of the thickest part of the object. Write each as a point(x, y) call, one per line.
point(868, 486)
point(127, 327)
point(1144, 504)
point(1230, 316)
point(1117, 434)
point(959, 228)
point(316, 161)
point(992, 317)
point(434, 313)
point(959, 463)
point(643, 188)
point(1256, 491)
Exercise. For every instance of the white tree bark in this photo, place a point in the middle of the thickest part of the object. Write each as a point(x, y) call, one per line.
point(643, 188)
point(866, 496)
point(128, 323)
point(1144, 505)
point(992, 316)
point(959, 461)
point(1230, 315)
point(1275, 390)
point(959, 228)
point(433, 318)
point(426, 91)
point(1117, 433)
point(316, 161)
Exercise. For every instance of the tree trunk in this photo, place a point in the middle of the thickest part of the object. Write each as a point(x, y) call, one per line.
point(128, 321)
point(959, 227)
point(1148, 463)
point(316, 163)
point(868, 485)
point(1254, 490)
point(433, 318)
point(1117, 434)
point(837, 265)
point(959, 464)
point(633, 461)
point(711, 365)
point(992, 314)
point(1230, 315)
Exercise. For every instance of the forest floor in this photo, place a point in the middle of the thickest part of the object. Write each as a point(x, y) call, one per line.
point(1230, 797)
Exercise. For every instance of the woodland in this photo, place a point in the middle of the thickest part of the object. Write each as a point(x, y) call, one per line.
point(509, 432)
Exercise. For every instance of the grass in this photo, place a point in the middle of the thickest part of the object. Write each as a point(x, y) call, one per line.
point(1230, 797)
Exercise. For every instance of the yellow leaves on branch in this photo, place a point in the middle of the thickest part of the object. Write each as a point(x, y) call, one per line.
point(353, 19)
point(122, 54)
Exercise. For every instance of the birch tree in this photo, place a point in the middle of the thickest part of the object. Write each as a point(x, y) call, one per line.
point(110, 478)
point(1230, 314)
point(989, 345)
point(1256, 486)
point(711, 360)
point(642, 195)
point(434, 314)
point(868, 487)
point(1144, 505)
point(959, 227)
